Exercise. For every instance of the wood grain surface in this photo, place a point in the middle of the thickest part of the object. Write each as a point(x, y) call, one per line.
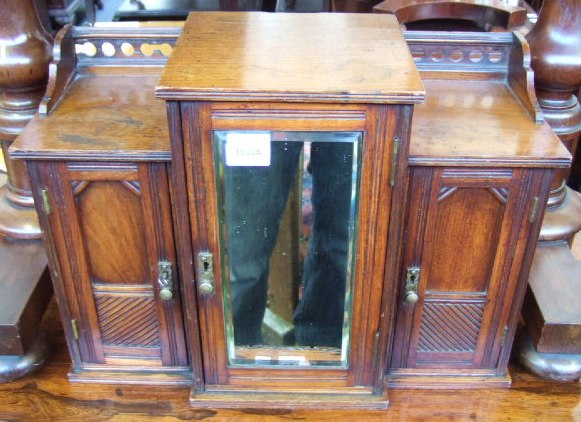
point(469, 121)
point(48, 396)
point(291, 57)
point(101, 114)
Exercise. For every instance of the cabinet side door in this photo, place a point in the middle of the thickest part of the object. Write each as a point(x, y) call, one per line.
point(463, 229)
point(116, 234)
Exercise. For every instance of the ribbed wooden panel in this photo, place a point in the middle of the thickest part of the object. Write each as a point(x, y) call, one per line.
point(450, 327)
point(128, 321)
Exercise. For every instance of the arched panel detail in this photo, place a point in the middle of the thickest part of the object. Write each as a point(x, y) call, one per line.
point(79, 186)
point(114, 233)
point(500, 193)
point(133, 186)
point(445, 192)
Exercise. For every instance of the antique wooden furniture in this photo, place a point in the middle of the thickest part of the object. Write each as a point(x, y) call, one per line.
point(112, 201)
point(457, 237)
point(24, 59)
point(472, 265)
point(266, 93)
point(552, 311)
point(468, 15)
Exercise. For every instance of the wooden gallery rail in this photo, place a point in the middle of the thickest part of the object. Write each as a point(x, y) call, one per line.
point(117, 196)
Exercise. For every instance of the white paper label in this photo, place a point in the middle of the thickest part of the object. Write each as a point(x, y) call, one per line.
point(293, 360)
point(247, 149)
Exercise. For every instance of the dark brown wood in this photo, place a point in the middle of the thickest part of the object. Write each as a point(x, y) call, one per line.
point(118, 217)
point(488, 15)
point(555, 60)
point(27, 291)
point(555, 366)
point(23, 70)
point(353, 6)
point(551, 311)
point(23, 78)
point(112, 201)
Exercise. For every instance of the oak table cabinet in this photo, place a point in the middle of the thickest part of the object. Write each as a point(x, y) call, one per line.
point(439, 214)
point(481, 163)
point(241, 115)
point(101, 184)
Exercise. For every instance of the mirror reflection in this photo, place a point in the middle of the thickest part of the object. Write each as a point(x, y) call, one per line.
point(287, 212)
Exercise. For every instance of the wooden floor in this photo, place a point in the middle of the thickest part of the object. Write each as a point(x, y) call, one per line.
point(48, 396)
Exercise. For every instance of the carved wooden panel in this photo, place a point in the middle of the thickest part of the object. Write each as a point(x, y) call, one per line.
point(112, 225)
point(450, 327)
point(462, 238)
point(463, 227)
point(127, 320)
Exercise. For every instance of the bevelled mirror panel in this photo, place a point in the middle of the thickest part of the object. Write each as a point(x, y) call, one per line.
point(287, 207)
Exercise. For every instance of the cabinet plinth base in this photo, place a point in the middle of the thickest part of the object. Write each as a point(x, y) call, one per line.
point(180, 377)
point(235, 400)
point(15, 367)
point(448, 382)
point(553, 366)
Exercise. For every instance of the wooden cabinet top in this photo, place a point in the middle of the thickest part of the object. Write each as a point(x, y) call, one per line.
point(480, 107)
point(355, 58)
point(104, 117)
point(474, 122)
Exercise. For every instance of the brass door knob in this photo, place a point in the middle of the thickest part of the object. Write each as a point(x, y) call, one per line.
point(166, 294)
point(411, 285)
point(411, 297)
point(206, 288)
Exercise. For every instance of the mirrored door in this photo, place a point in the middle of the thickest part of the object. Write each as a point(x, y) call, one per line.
point(287, 205)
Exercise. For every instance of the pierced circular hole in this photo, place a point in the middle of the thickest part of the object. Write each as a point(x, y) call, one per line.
point(456, 55)
point(495, 56)
point(108, 49)
point(165, 49)
point(476, 56)
point(127, 49)
point(437, 55)
point(88, 49)
point(147, 49)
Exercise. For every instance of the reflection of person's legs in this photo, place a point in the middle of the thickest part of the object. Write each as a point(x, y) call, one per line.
point(255, 198)
point(319, 315)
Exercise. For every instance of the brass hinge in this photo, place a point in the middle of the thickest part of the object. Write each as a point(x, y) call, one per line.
point(534, 210)
point(394, 157)
point(46, 201)
point(375, 350)
point(75, 329)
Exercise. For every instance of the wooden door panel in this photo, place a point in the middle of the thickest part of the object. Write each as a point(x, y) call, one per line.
point(109, 237)
point(118, 227)
point(465, 246)
point(464, 240)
